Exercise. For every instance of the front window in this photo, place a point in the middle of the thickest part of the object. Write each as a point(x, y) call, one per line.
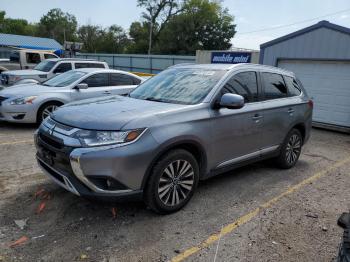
point(179, 86)
point(45, 66)
point(64, 79)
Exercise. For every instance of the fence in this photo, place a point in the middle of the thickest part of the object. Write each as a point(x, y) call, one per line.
point(139, 63)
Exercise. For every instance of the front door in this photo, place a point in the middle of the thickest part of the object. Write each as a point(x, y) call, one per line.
point(98, 85)
point(237, 132)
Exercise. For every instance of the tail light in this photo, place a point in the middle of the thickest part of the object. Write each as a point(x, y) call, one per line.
point(311, 103)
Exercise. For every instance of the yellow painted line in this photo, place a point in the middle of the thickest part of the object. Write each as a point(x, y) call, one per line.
point(246, 218)
point(17, 142)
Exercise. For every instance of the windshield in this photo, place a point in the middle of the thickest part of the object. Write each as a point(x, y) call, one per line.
point(45, 65)
point(179, 86)
point(64, 79)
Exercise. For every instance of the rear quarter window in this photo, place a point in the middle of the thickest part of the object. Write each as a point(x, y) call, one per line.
point(293, 86)
point(274, 86)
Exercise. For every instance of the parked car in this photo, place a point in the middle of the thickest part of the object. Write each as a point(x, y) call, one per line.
point(25, 59)
point(48, 69)
point(186, 124)
point(30, 103)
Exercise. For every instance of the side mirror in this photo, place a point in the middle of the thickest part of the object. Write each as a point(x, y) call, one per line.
point(82, 86)
point(232, 101)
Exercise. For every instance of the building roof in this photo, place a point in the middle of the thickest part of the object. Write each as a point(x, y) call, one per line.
point(321, 24)
point(30, 42)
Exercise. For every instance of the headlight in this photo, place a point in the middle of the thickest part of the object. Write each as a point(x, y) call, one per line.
point(102, 138)
point(14, 79)
point(23, 100)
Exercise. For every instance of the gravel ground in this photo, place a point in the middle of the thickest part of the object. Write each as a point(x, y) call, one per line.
point(300, 226)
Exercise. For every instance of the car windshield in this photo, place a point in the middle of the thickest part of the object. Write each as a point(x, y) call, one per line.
point(64, 79)
point(179, 86)
point(45, 65)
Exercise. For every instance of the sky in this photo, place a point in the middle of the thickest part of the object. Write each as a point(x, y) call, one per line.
point(250, 15)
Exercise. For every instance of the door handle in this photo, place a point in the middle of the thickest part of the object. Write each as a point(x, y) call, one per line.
point(257, 118)
point(107, 92)
point(290, 111)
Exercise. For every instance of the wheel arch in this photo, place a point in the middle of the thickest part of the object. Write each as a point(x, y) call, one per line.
point(301, 128)
point(192, 146)
point(44, 103)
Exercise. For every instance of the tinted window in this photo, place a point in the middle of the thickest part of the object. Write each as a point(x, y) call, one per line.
point(95, 65)
point(123, 80)
point(97, 80)
point(274, 86)
point(64, 67)
point(293, 87)
point(14, 57)
point(89, 65)
point(244, 84)
point(33, 58)
point(48, 56)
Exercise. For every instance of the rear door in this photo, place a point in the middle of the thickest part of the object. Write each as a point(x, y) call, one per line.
point(121, 84)
point(279, 110)
point(237, 132)
point(98, 85)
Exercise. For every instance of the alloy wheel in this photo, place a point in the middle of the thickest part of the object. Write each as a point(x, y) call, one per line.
point(48, 110)
point(176, 183)
point(293, 149)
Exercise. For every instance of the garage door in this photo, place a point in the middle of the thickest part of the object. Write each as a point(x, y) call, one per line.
point(328, 83)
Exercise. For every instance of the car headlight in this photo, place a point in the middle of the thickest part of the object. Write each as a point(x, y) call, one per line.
point(90, 138)
point(14, 79)
point(23, 100)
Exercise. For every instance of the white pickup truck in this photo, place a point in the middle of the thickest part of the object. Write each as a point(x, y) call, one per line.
point(46, 70)
point(24, 59)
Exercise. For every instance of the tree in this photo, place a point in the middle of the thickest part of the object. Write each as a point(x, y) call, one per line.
point(58, 25)
point(202, 24)
point(16, 26)
point(138, 33)
point(158, 13)
point(96, 39)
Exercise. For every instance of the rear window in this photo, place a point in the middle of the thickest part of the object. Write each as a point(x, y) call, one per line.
point(89, 65)
point(293, 87)
point(123, 80)
point(274, 86)
point(48, 56)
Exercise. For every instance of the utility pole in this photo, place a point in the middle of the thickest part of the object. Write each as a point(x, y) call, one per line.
point(150, 38)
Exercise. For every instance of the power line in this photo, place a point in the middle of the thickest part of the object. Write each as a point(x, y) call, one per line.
point(296, 23)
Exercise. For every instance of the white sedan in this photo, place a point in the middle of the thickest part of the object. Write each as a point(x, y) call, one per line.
point(31, 103)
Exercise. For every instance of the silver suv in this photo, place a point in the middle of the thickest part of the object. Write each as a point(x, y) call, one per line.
point(186, 124)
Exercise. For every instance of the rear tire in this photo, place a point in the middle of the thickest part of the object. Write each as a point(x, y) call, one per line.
point(290, 150)
point(46, 109)
point(172, 182)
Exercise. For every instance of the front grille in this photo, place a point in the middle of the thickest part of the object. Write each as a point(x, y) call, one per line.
point(50, 141)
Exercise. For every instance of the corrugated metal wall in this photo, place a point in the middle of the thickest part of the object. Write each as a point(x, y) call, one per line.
point(139, 63)
point(322, 43)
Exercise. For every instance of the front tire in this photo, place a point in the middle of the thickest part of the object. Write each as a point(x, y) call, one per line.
point(290, 150)
point(46, 109)
point(172, 182)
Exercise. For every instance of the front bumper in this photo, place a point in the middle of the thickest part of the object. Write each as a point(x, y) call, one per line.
point(18, 113)
point(101, 172)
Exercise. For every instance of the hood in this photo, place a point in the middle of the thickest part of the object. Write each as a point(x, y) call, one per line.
point(110, 113)
point(26, 90)
point(28, 72)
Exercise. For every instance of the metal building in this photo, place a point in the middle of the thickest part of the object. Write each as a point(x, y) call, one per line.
point(9, 41)
point(320, 57)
